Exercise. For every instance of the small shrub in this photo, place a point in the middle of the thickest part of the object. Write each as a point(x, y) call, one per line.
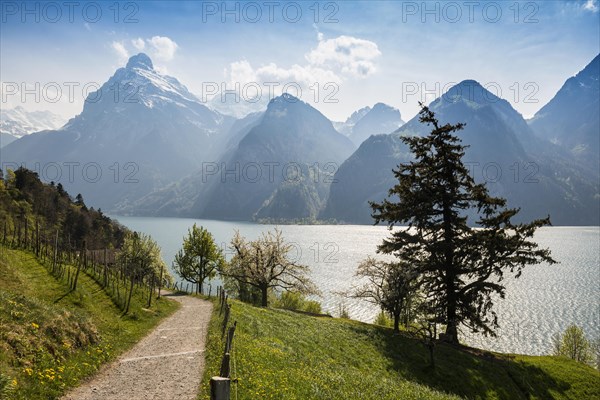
point(313, 306)
point(291, 301)
point(343, 311)
point(383, 320)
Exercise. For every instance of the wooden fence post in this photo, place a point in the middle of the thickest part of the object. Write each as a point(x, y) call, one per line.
point(220, 388)
point(226, 319)
point(229, 342)
point(225, 366)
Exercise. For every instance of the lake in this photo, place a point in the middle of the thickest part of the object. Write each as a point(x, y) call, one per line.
point(543, 301)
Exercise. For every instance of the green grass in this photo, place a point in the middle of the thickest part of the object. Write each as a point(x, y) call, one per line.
point(284, 355)
point(52, 338)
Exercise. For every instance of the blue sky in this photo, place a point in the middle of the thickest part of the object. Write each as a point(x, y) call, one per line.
point(342, 55)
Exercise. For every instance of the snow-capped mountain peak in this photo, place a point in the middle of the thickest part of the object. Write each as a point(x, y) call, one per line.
point(140, 82)
point(141, 61)
point(19, 122)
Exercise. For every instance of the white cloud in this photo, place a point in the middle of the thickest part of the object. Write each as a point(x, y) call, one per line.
point(327, 67)
point(272, 77)
point(351, 55)
point(121, 51)
point(331, 61)
point(160, 48)
point(319, 34)
point(139, 44)
point(163, 48)
point(243, 72)
point(591, 5)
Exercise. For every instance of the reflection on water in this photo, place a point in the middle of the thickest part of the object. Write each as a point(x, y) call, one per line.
point(543, 301)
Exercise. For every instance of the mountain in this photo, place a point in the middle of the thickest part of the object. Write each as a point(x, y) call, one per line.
point(140, 131)
point(6, 138)
point(19, 122)
point(503, 152)
point(380, 119)
point(346, 126)
point(179, 197)
point(370, 121)
point(572, 118)
point(366, 175)
point(280, 168)
point(238, 106)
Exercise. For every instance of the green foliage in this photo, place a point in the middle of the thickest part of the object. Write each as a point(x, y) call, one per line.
point(142, 255)
point(243, 291)
point(382, 319)
point(390, 285)
point(280, 354)
point(200, 258)
point(28, 205)
point(343, 311)
point(596, 352)
point(574, 345)
point(292, 300)
point(265, 264)
point(312, 306)
point(459, 269)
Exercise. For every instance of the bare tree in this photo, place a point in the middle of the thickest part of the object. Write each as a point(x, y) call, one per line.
point(265, 264)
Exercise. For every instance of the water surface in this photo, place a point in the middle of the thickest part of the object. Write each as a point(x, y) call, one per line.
point(543, 301)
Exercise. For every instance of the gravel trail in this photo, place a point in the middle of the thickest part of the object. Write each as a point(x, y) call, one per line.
point(166, 364)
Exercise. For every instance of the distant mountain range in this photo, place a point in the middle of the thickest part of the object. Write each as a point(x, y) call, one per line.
point(283, 160)
point(371, 121)
point(18, 122)
point(278, 165)
point(503, 151)
point(162, 152)
point(572, 118)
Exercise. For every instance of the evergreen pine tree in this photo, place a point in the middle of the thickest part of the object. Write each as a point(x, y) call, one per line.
point(459, 268)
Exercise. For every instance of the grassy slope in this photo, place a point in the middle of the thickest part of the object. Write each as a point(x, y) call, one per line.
point(284, 355)
point(82, 329)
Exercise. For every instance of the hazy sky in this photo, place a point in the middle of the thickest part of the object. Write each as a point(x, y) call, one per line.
point(342, 55)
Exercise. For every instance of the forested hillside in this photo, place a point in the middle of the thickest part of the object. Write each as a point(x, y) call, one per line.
point(37, 215)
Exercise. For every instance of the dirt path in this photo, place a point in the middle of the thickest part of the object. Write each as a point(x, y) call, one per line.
point(166, 364)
